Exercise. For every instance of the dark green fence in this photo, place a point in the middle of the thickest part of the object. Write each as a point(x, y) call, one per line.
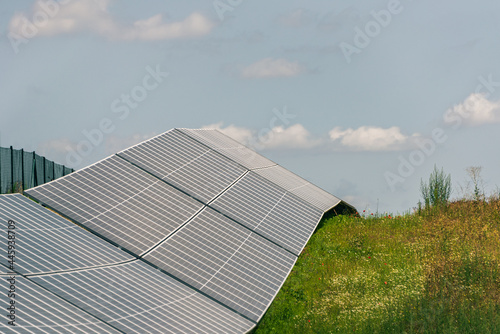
point(21, 170)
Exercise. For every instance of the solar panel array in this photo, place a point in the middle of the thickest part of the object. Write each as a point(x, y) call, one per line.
point(211, 228)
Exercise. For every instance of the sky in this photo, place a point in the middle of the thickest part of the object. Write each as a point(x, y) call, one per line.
point(362, 98)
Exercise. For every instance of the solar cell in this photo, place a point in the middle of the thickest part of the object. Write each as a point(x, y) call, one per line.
point(300, 187)
point(120, 202)
point(270, 210)
point(226, 261)
point(46, 242)
point(230, 148)
point(185, 163)
point(37, 310)
point(136, 298)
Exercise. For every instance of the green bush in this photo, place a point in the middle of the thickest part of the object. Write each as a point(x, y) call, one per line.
point(437, 191)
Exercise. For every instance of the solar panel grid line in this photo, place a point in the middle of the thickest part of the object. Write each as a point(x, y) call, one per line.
point(216, 164)
point(236, 251)
point(51, 315)
point(122, 188)
point(218, 141)
point(286, 178)
point(228, 187)
point(249, 191)
point(79, 269)
point(246, 227)
point(146, 141)
point(51, 298)
point(56, 239)
point(72, 239)
point(151, 208)
point(239, 300)
point(159, 289)
point(48, 261)
point(227, 276)
point(251, 213)
point(118, 279)
point(152, 248)
point(68, 209)
point(64, 215)
point(194, 215)
point(213, 251)
point(277, 291)
point(296, 231)
point(150, 146)
point(282, 177)
point(254, 216)
point(275, 234)
point(317, 197)
point(268, 187)
point(135, 194)
point(215, 143)
point(298, 187)
point(162, 181)
point(240, 294)
point(80, 302)
point(146, 157)
point(175, 260)
point(204, 195)
point(124, 286)
point(221, 266)
point(276, 229)
point(252, 265)
point(48, 195)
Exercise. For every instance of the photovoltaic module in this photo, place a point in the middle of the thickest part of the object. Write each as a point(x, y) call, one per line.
point(187, 232)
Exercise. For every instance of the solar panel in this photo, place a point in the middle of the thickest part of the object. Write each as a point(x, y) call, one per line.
point(185, 163)
point(227, 261)
point(45, 242)
point(222, 225)
point(40, 311)
point(136, 298)
point(230, 148)
point(270, 210)
point(124, 204)
point(300, 187)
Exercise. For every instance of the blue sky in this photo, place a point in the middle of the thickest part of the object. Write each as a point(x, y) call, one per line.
point(361, 98)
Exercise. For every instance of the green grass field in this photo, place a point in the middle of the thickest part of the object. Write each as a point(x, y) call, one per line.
point(428, 272)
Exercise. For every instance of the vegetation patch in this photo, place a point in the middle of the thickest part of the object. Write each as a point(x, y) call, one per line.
point(433, 271)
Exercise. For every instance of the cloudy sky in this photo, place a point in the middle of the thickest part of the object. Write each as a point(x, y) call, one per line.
point(362, 98)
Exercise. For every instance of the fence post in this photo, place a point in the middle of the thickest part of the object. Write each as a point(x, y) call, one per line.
point(22, 169)
point(44, 171)
point(12, 168)
point(34, 171)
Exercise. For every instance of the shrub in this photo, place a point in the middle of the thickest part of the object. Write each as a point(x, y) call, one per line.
point(437, 191)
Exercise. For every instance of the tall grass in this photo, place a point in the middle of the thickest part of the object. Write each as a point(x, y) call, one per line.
point(432, 273)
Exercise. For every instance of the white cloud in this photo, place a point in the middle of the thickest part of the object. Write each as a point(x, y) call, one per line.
point(295, 136)
point(279, 137)
point(475, 110)
point(365, 138)
point(370, 138)
point(272, 68)
point(93, 16)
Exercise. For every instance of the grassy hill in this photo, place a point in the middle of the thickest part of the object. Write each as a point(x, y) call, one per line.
point(430, 272)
